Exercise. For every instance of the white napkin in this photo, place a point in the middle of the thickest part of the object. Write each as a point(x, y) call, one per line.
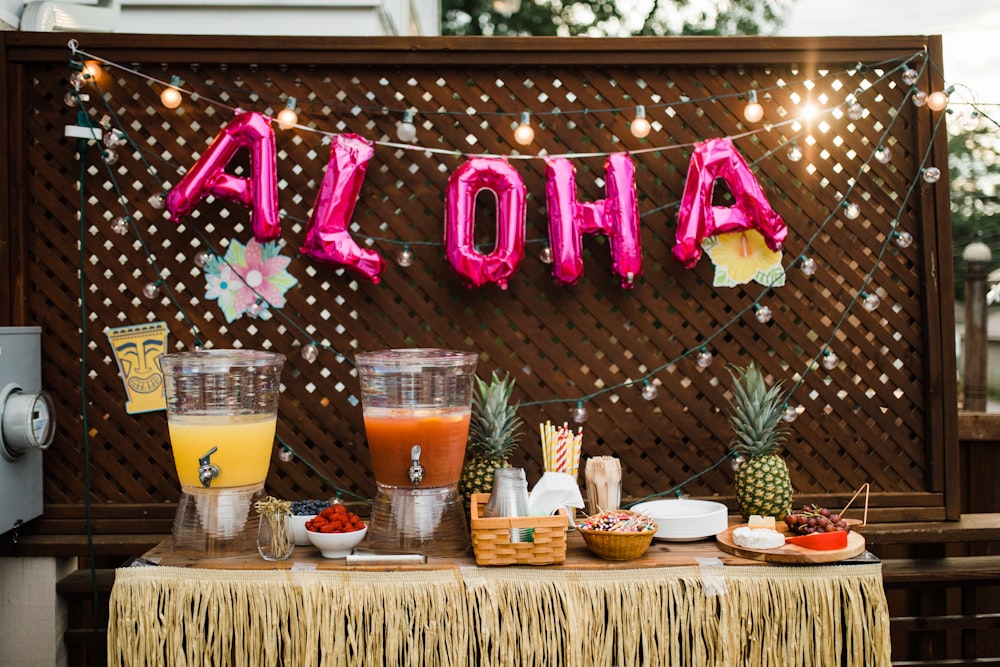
point(554, 490)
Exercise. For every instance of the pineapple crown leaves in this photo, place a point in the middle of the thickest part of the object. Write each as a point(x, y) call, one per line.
point(756, 412)
point(495, 425)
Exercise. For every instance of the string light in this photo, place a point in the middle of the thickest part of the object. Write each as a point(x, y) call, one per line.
point(704, 358)
point(883, 154)
point(938, 100)
point(855, 110)
point(794, 152)
point(202, 258)
point(545, 255)
point(870, 302)
point(753, 111)
point(119, 225)
point(287, 118)
point(405, 257)
point(851, 210)
point(830, 359)
point(909, 76)
point(791, 414)
point(171, 95)
point(931, 174)
point(640, 127)
point(903, 239)
point(285, 455)
point(649, 390)
point(310, 353)
point(524, 134)
point(919, 98)
point(151, 290)
point(406, 131)
point(762, 313)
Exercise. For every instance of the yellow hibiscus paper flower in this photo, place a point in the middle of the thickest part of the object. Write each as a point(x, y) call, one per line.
point(742, 256)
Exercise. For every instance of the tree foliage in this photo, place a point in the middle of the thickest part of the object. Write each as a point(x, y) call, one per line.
point(596, 18)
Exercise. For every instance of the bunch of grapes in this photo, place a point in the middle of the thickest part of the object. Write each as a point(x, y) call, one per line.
point(812, 519)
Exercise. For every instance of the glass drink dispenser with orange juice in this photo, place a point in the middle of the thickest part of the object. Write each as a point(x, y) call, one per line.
point(222, 408)
point(416, 405)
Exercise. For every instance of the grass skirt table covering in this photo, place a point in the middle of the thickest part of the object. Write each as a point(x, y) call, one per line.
point(466, 615)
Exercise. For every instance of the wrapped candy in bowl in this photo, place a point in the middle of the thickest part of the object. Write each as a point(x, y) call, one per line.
point(618, 534)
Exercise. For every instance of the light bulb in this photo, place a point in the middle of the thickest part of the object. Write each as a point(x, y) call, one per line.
point(110, 157)
point(156, 201)
point(649, 391)
point(790, 415)
point(737, 461)
point(405, 257)
point(545, 256)
point(287, 118)
point(640, 127)
point(904, 239)
point(171, 96)
point(285, 455)
point(909, 76)
point(112, 138)
point(753, 111)
point(808, 266)
point(524, 135)
point(855, 111)
point(704, 358)
point(971, 122)
point(851, 210)
point(870, 302)
point(310, 353)
point(580, 413)
point(932, 175)
point(71, 98)
point(151, 290)
point(938, 100)
point(794, 152)
point(830, 360)
point(120, 225)
point(406, 130)
point(883, 154)
point(201, 259)
point(919, 98)
point(763, 314)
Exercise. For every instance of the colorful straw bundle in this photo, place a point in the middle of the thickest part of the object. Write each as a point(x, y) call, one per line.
point(561, 448)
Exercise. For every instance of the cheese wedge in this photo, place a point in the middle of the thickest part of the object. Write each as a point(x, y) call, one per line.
point(765, 522)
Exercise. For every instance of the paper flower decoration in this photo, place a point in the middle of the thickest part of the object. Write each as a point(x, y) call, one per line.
point(248, 279)
point(740, 257)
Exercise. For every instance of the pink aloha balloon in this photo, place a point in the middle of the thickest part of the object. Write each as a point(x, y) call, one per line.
point(327, 238)
point(465, 183)
point(616, 216)
point(207, 177)
point(698, 219)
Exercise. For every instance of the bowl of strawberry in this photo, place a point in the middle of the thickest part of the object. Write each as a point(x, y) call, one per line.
point(336, 531)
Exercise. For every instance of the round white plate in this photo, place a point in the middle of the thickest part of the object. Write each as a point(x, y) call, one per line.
point(685, 520)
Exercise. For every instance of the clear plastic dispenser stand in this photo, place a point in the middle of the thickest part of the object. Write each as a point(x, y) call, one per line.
point(416, 404)
point(222, 408)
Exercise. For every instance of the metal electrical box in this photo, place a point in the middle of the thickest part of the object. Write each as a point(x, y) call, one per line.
point(27, 424)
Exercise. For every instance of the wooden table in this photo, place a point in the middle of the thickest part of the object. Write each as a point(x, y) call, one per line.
point(680, 604)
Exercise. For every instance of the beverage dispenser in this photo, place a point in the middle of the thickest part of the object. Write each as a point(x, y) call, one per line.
point(222, 408)
point(416, 405)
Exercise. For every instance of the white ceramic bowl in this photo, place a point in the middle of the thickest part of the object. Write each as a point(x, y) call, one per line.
point(299, 529)
point(337, 545)
point(685, 520)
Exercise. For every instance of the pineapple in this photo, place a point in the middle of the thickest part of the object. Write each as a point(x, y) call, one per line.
point(762, 483)
point(493, 434)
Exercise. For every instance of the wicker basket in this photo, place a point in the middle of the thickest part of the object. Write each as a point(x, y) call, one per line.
point(491, 537)
point(611, 545)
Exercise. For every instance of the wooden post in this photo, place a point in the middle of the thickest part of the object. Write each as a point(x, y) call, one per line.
point(977, 258)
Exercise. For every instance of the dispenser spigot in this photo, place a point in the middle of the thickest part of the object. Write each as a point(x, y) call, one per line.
point(416, 470)
point(206, 471)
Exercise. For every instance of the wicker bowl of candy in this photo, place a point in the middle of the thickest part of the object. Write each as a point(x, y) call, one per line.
point(618, 534)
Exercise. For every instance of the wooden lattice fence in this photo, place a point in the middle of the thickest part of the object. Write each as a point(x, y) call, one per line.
point(885, 415)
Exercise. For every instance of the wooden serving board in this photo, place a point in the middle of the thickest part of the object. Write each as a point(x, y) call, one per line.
point(791, 553)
